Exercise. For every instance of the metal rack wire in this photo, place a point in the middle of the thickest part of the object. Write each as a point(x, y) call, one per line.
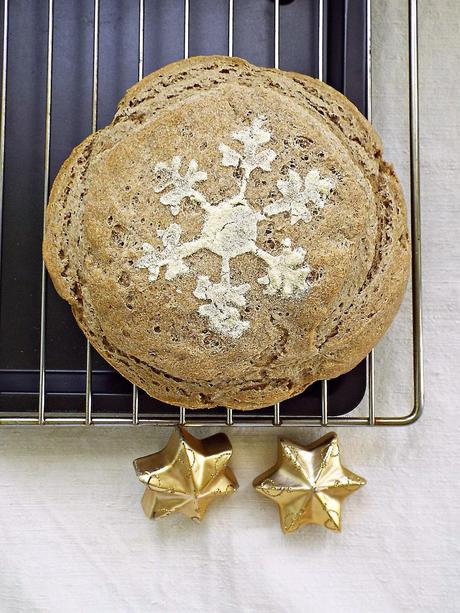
point(245, 419)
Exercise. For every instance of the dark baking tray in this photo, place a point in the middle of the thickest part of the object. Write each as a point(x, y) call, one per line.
point(345, 68)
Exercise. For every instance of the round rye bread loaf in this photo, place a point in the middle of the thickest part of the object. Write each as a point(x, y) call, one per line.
point(232, 236)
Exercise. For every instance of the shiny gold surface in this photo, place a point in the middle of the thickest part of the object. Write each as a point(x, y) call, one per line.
point(187, 475)
point(309, 483)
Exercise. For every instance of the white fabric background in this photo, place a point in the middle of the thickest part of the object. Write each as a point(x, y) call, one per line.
point(72, 533)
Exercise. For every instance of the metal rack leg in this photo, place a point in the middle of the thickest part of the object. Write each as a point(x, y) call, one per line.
point(370, 359)
point(415, 211)
point(186, 27)
point(276, 406)
point(277, 34)
point(182, 416)
point(324, 403)
point(3, 116)
point(370, 376)
point(140, 75)
point(89, 359)
point(46, 181)
point(229, 417)
point(230, 27)
point(321, 40)
point(369, 59)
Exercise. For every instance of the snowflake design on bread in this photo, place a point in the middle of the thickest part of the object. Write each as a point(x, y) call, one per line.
point(299, 193)
point(230, 229)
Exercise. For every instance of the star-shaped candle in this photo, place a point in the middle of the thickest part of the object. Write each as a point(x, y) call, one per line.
point(309, 483)
point(187, 475)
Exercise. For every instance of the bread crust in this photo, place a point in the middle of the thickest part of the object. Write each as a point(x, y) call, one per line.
point(102, 209)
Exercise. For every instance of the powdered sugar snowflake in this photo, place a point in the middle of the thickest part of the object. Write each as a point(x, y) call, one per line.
point(230, 229)
point(298, 194)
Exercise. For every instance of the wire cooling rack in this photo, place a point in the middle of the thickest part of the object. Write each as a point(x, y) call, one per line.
point(274, 415)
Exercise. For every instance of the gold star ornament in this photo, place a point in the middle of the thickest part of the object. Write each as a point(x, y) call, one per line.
point(309, 484)
point(187, 475)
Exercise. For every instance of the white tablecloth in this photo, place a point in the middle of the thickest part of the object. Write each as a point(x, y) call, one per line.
point(72, 533)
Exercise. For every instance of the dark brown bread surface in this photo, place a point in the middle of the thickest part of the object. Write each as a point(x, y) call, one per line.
point(302, 228)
